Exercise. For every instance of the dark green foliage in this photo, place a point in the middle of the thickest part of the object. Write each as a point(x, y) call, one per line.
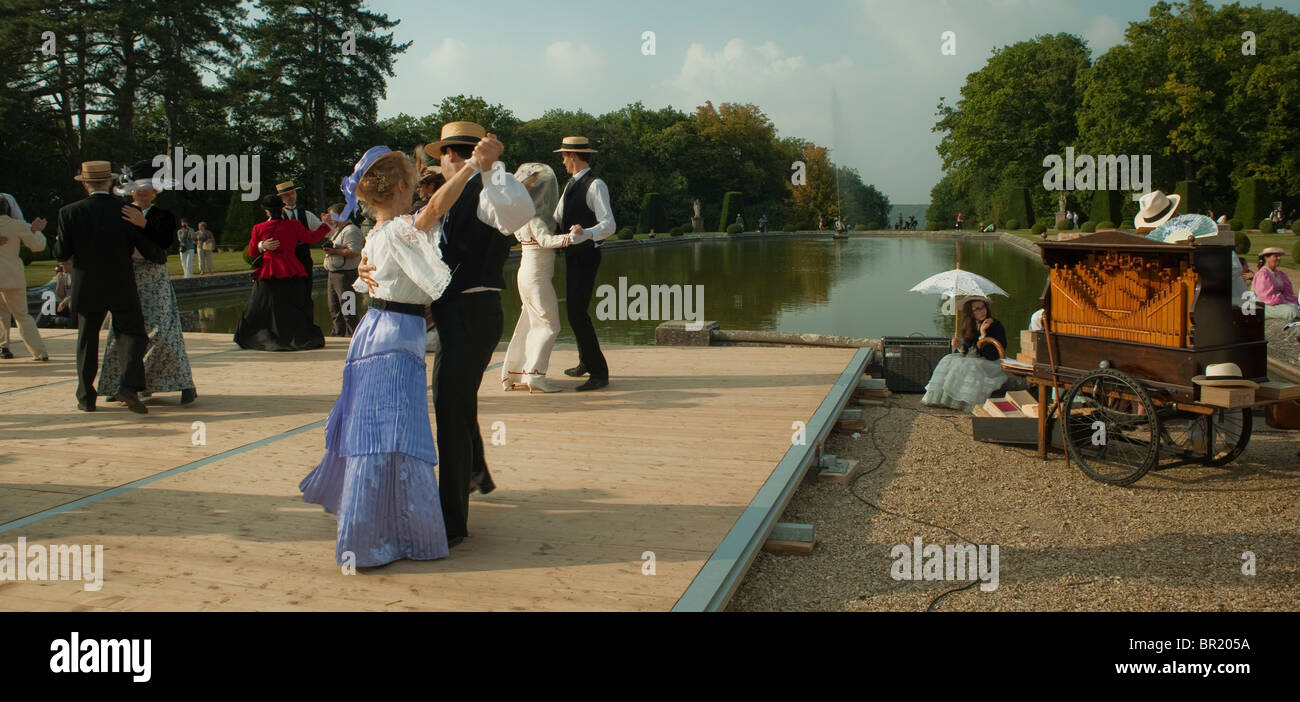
point(1019, 207)
point(239, 221)
point(1107, 206)
point(1088, 227)
point(675, 231)
point(1266, 226)
point(873, 226)
point(732, 204)
point(626, 233)
point(859, 227)
point(734, 228)
point(1107, 224)
point(1234, 224)
point(1295, 252)
point(652, 214)
point(1252, 200)
point(25, 254)
point(1013, 224)
point(1190, 192)
point(1066, 225)
point(1038, 228)
point(1243, 243)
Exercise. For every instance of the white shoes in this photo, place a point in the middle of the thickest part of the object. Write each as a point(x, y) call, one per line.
point(538, 383)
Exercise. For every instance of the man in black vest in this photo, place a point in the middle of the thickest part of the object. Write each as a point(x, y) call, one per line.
point(99, 234)
point(478, 231)
point(288, 193)
point(584, 211)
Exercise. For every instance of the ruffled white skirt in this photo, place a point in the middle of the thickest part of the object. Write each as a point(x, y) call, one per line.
point(963, 382)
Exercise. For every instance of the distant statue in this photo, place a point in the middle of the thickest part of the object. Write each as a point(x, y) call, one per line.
point(697, 208)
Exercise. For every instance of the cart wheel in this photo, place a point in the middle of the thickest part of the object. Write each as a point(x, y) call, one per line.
point(1112, 429)
point(1187, 432)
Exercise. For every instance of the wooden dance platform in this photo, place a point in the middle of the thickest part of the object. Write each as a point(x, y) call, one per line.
point(666, 461)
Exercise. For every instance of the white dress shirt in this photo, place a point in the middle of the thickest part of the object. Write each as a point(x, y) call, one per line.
point(408, 263)
point(313, 222)
point(505, 207)
point(598, 200)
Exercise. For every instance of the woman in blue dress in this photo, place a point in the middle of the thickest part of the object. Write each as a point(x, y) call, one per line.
point(377, 476)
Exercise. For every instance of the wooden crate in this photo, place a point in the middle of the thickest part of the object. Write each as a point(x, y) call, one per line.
point(1227, 396)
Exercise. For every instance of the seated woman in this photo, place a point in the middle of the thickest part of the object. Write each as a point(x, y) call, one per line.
point(276, 318)
point(1273, 288)
point(965, 378)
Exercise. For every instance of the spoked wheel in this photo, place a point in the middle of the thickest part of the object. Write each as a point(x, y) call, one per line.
point(1112, 429)
point(1188, 435)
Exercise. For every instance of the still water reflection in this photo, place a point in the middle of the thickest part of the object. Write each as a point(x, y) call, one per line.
point(856, 287)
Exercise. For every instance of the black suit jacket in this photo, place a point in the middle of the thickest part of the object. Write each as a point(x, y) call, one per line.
point(160, 226)
point(93, 234)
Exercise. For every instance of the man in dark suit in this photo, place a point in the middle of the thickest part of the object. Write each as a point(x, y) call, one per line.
point(98, 234)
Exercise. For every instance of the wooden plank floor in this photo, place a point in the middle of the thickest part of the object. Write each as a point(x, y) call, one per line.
point(664, 460)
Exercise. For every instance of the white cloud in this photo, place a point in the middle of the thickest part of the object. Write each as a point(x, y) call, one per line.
point(1103, 33)
point(739, 68)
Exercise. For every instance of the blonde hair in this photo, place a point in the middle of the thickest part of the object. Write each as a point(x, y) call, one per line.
point(384, 177)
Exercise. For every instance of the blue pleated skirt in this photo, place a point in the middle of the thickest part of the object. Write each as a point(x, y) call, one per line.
point(378, 475)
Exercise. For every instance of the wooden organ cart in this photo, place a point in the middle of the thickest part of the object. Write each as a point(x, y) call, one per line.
point(1129, 322)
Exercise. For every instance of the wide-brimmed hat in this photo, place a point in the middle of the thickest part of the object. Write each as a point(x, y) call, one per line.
point(456, 134)
point(285, 187)
point(1156, 208)
point(429, 174)
point(968, 298)
point(1224, 374)
point(95, 170)
point(576, 144)
point(141, 175)
point(1271, 250)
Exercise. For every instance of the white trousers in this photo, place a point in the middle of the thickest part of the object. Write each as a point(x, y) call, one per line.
point(530, 347)
point(187, 263)
point(15, 302)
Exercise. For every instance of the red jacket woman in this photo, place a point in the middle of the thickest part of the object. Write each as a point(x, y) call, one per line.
point(281, 262)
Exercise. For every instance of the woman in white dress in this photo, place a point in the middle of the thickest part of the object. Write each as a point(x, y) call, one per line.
point(377, 475)
point(529, 353)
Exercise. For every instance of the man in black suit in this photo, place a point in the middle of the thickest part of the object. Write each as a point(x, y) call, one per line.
point(584, 212)
point(98, 234)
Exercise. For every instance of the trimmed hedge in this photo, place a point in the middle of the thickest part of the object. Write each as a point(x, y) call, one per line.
point(1190, 192)
point(1252, 200)
point(1243, 243)
point(873, 226)
point(1106, 207)
point(1266, 226)
point(734, 228)
point(1088, 227)
point(859, 227)
point(732, 204)
point(1013, 224)
point(1234, 224)
point(237, 227)
point(1107, 224)
point(1295, 252)
point(1019, 207)
point(652, 214)
point(675, 231)
point(1066, 225)
point(625, 233)
point(1038, 228)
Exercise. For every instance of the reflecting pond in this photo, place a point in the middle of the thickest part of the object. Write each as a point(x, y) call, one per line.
point(855, 287)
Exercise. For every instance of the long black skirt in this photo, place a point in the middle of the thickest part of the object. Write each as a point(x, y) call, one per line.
point(277, 319)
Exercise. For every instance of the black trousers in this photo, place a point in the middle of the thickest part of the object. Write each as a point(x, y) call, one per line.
point(469, 328)
point(580, 266)
point(128, 325)
point(340, 283)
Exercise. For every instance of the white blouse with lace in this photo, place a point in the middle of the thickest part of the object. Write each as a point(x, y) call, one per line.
point(409, 265)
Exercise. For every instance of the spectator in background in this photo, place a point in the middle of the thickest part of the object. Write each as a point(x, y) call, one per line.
point(207, 242)
point(959, 220)
point(430, 180)
point(189, 243)
point(762, 223)
point(64, 317)
point(13, 281)
point(1273, 288)
point(342, 254)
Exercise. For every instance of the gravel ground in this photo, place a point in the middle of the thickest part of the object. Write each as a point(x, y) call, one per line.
point(1173, 541)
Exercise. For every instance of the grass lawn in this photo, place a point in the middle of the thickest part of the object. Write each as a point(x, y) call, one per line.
point(40, 272)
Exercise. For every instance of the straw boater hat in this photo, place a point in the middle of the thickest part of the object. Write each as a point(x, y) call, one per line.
point(1224, 374)
point(1271, 250)
point(576, 144)
point(285, 187)
point(1156, 208)
point(95, 170)
point(454, 134)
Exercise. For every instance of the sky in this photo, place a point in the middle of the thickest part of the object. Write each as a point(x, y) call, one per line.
point(880, 58)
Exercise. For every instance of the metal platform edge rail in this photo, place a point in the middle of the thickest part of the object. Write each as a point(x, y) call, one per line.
point(717, 581)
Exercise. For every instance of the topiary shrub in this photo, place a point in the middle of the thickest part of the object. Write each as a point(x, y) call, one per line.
point(873, 226)
point(1013, 224)
point(1106, 207)
point(732, 204)
point(1038, 228)
point(675, 231)
point(1266, 226)
point(734, 228)
point(859, 227)
point(1243, 243)
point(1066, 225)
point(652, 214)
point(626, 233)
point(1019, 207)
point(1234, 224)
point(1190, 192)
point(1252, 200)
point(1106, 225)
point(237, 227)
point(1088, 227)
